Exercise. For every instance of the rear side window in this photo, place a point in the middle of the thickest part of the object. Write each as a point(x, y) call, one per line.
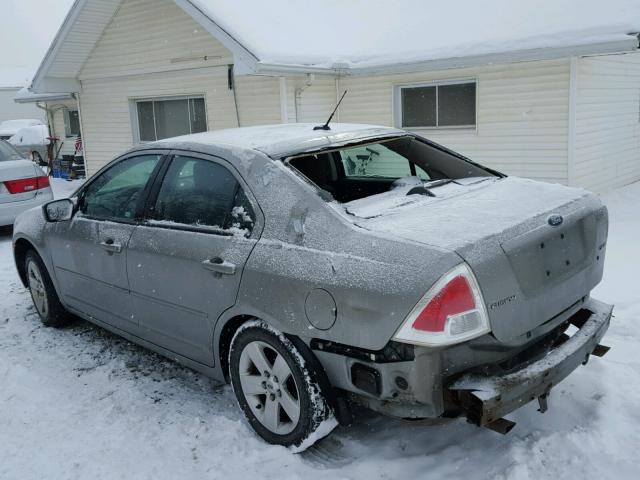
point(359, 171)
point(202, 193)
point(115, 193)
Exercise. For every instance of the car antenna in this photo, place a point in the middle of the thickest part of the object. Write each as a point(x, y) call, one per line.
point(326, 125)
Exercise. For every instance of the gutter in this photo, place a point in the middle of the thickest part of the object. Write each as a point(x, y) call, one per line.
point(44, 97)
point(571, 127)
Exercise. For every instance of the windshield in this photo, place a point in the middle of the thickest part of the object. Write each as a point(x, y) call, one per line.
point(7, 152)
point(361, 171)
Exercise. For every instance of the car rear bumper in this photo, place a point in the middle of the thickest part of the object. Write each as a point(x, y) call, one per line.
point(485, 399)
point(10, 210)
point(482, 379)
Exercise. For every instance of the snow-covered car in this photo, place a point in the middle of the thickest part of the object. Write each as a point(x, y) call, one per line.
point(23, 185)
point(9, 128)
point(32, 142)
point(315, 268)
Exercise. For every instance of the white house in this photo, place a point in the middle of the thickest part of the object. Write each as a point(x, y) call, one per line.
point(548, 90)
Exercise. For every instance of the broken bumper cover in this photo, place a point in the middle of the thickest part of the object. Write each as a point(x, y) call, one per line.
point(486, 399)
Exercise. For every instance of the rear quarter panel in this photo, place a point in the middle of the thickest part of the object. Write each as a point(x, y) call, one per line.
point(374, 280)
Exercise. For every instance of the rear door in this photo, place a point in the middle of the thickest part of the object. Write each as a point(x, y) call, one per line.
point(90, 252)
point(185, 261)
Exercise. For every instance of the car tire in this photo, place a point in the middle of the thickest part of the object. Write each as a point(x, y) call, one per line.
point(44, 296)
point(291, 410)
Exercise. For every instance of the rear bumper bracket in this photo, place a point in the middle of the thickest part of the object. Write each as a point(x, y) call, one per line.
point(486, 399)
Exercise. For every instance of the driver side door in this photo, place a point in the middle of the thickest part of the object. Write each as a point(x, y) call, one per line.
point(89, 252)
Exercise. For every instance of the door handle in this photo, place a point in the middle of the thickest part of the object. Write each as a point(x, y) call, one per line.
point(219, 266)
point(110, 246)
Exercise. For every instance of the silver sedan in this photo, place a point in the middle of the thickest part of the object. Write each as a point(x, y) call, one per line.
point(319, 268)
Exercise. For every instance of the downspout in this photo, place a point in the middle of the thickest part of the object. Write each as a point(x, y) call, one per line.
point(84, 139)
point(298, 93)
point(231, 81)
point(284, 100)
point(571, 130)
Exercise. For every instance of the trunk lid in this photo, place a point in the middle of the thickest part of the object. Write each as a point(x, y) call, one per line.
point(536, 249)
point(15, 170)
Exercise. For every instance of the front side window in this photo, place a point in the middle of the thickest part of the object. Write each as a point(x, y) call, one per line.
point(202, 193)
point(115, 194)
point(432, 106)
point(158, 119)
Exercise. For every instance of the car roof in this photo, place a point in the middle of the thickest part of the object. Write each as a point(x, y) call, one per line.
point(282, 140)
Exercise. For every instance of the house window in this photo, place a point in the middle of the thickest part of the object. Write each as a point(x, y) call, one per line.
point(72, 123)
point(165, 118)
point(441, 105)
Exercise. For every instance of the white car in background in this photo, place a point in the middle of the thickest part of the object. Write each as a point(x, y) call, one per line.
point(32, 142)
point(9, 128)
point(23, 184)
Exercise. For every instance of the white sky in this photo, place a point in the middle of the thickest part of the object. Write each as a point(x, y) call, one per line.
point(27, 28)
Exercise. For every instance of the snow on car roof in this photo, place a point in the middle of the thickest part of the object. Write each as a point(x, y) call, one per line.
point(281, 139)
point(367, 33)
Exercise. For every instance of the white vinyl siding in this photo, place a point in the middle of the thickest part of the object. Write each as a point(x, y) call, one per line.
point(314, 103)
point(149, 36)
point(607, 130)
point(522, 114)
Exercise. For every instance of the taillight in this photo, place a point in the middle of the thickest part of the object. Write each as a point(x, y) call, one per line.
point(26, 184)
point(451, 311)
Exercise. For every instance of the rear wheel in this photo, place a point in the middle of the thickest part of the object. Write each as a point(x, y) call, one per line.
point(44, 296)
point(277, 390)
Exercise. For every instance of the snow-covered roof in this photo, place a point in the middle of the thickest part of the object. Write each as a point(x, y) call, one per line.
point(368, 36)
point(373, 33)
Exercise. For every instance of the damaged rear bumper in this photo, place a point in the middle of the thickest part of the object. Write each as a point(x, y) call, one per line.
point(485, 399)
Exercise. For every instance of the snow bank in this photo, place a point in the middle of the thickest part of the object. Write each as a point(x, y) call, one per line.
point(362, 33)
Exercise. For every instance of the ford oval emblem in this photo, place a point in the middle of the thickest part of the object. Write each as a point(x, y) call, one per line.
point(555, 220)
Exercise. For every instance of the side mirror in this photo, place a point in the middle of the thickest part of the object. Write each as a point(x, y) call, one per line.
point(59, 210)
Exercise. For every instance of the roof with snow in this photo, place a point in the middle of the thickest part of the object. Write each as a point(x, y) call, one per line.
point(280, 139)
point(369, 36)
point(366, 33)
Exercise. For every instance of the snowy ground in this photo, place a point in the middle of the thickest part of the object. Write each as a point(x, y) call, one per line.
point(82, 403)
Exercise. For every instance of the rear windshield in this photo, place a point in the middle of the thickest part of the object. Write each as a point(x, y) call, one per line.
point(7, 152)
point(361, 171)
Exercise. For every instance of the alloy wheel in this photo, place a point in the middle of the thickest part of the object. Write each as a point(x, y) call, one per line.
point(37, 289)
point(269, 387)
